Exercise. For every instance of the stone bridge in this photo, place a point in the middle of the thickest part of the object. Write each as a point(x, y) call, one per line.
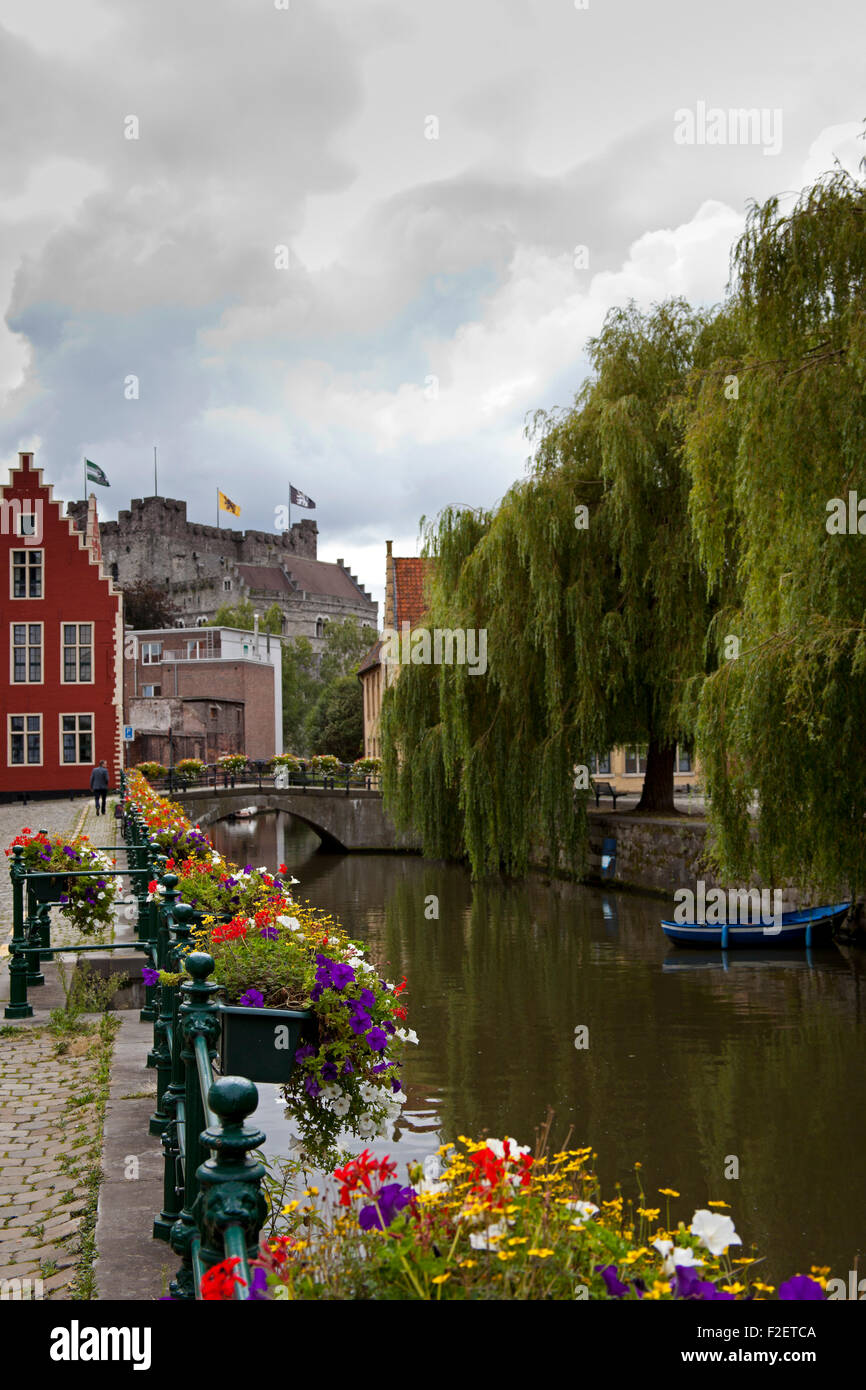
point(357, 821)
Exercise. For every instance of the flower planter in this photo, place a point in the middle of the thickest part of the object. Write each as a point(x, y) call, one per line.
point(48, 890)
point(261, 1043)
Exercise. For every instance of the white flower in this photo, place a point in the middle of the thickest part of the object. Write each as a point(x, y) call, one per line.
point(369, 1092)
point(584, 1211)
point(341, 1106)
point(291, 923)
point(486, 1240)
point(366, 966)
point(100, 895)
point(497, 1147)
point(675, 1255)
point(715, 1232)
point(410, 1036)
point(367, 1126)
point(330, 1092)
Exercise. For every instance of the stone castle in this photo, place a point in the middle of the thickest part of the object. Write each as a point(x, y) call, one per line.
point(204, 567)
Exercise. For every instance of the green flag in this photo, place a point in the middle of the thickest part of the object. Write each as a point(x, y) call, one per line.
point(95, 474)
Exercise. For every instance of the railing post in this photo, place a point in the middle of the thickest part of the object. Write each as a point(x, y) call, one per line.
point(172, 1183)
point(198, 1018)
point(232, 1203)
point(36, 933)
point(160, 1055)
point(18, 1007)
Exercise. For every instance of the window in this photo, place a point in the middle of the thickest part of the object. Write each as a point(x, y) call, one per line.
point(151, 653)
point(77, 653)
point(25, 740)
point(599, 764)
point(27, 653)
point(28, 523)
point(150, 692)
point(76, 737)
point(320, 627)
point(684, 760)
point(27, 573)
point(227, 584)
point(635, 759)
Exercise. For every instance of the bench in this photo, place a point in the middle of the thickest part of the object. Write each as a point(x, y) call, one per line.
point(605, 789)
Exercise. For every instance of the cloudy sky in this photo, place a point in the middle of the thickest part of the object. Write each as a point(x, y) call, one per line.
point(337, 241)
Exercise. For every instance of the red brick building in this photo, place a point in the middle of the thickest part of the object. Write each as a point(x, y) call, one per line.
point(61, 632)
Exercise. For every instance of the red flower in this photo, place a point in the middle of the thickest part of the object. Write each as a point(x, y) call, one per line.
point(400, 1013)
point(399, 988)
point(284, 868)
point(219, 1282)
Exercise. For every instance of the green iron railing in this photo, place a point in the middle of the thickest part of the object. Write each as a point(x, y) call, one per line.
point(213, 1201)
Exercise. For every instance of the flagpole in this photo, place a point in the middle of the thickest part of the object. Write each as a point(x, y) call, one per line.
point(84, 470)
point(218, 509)
point(155, 487)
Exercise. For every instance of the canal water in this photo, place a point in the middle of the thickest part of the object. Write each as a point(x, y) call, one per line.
point(695, 1068)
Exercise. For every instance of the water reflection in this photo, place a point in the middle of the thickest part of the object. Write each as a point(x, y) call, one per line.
point(692, 1058)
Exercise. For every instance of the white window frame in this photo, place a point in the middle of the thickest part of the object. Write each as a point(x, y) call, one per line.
point(25, 734)
point(78, 644)
point(153, 689)
point(639, 756)
point(146, 658)
point(77, 761)
point(17, 550)
point(28, 681)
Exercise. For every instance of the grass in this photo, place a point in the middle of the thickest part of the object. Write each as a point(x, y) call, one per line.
point(83, 1285)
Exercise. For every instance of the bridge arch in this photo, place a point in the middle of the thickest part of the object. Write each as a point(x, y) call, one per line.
point(355, 822)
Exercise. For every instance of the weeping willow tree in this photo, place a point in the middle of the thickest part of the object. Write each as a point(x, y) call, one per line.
point(587, 584)
point(775, 438)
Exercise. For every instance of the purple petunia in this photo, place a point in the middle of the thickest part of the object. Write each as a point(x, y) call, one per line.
point(687, 1283)
point(367, 998)
point(377, 1040)
point(348, 1069)
point(252, 999)
point(269, 933)
point(395, 1083)
point(258, 1285)
point(329, 1071)
point(306, 1051)
point(360, 1020)
point(801, 1288)
point(149, 975)
point(615, 1287)
point(391, 1199)
point(312, 1087)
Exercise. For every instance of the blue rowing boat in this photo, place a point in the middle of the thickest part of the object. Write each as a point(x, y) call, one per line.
point(807, 927)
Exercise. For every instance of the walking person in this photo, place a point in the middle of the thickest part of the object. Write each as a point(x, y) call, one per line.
point(99, 785)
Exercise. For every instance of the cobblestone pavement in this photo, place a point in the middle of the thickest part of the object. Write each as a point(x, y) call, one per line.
point(50, 1086)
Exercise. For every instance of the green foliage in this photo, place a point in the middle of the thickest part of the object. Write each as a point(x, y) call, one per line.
point(243, 615)
point(336, 722)
point(346, 644)
point(300, 689)
point(783, 722)
point(594, 619)
point(189, 768)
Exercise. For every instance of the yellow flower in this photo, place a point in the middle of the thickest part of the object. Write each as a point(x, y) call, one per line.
point(638, 1165)
point(668, 1192)
point(763, 1288)
point(311, 1192)
point(441, 1278)
point(292, 1206)
point(718, 1204)
point(542, 1253)
point(649, 1212)
point(518, 1240)
point(507, 1254)
point(468, 1264)
point(819, 1269)
point(734, 1288)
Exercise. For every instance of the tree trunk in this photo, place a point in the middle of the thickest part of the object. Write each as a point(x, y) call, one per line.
point(658, 784)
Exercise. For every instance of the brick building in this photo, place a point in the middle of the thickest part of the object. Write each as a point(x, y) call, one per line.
point(61, 630)
point(201, 692)
point(204, 567)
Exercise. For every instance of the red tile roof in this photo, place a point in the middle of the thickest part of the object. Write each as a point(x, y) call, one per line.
point(410, 604)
